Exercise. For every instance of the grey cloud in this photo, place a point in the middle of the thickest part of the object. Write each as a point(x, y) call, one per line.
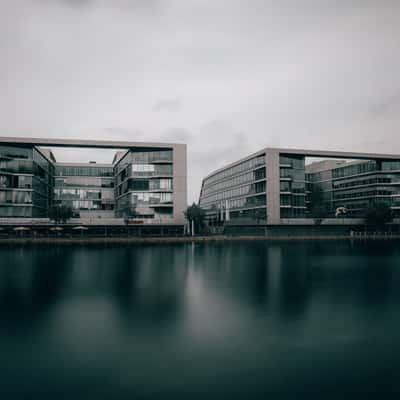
point(66, 3)
point(117, 133)
point(168, 105)
point(222, 153)
point(125, 4)
point(300, 73)
point(387, 105)
point(179, 135)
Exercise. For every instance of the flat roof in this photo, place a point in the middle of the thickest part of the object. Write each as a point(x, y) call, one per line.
point(78, 164)
point(99, 144)
point(311, 153)
point(337, 154)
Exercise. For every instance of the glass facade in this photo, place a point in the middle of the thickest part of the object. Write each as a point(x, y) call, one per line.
point(87, 170)
point(358, 185)
point(239, 191)
point(85, 188)
point(292, 186)
point(144, 184)
point(26, 182)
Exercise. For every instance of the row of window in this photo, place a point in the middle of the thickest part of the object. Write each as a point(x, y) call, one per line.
point(152, 169)
point(150, 198)
point(227, 194)
point(15, 197)
point(244, 202)
point(86, 204)
point(370, 193)
point(144, 170)
point(256, 214)
point(84, 181)
point(358, 206)
point(150, 184)
point(338, 185)
point(15, 182)
point(319, 176)
point(390, 165)
point(23, 197)
point(243, 166)
point(355, 169)
point(24, 167)
point(255, 175)
point(83, 194)
point(292, 200)
point(61, 170)
point(16, 152)
point(295, 174)
point(144, 157)
point(21, 211)
point(143, 184)
point(291, 186)
point(296, 162)
point(234, 181)
point(137, 199)
point(237, 203)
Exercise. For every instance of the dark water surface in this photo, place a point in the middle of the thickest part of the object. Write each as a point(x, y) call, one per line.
point(211, 321)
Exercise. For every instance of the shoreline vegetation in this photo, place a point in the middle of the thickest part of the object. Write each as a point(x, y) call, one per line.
point(186, 239)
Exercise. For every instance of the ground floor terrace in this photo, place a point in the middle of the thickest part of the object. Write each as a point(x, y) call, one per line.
point(78, 228)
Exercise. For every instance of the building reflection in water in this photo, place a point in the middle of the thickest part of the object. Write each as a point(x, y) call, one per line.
point(151, 283)
point(31, 283)
point(165, 317)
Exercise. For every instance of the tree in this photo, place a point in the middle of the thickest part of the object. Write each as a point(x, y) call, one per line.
point(378, 215)
point(196, 214)
point(60, 213)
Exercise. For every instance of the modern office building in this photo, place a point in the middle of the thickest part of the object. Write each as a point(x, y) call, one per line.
point(26, 181)
point(274, 186)
point(145, 182)
point(355, 185)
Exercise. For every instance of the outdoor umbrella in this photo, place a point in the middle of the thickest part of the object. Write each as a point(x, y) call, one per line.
point(21, 229)
point(80, 228)
point(56, 229)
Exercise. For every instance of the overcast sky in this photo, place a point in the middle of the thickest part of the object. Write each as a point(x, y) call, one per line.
point(227, 77)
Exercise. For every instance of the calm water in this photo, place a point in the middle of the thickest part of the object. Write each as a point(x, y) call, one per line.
point(212, 321)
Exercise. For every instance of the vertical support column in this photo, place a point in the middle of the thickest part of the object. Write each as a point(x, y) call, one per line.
point(179, 182)
point(273, 187)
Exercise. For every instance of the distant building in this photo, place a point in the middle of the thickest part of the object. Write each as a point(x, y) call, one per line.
point(274, 186)
point(355, 185)
point(146, 181)
point(87, 188)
